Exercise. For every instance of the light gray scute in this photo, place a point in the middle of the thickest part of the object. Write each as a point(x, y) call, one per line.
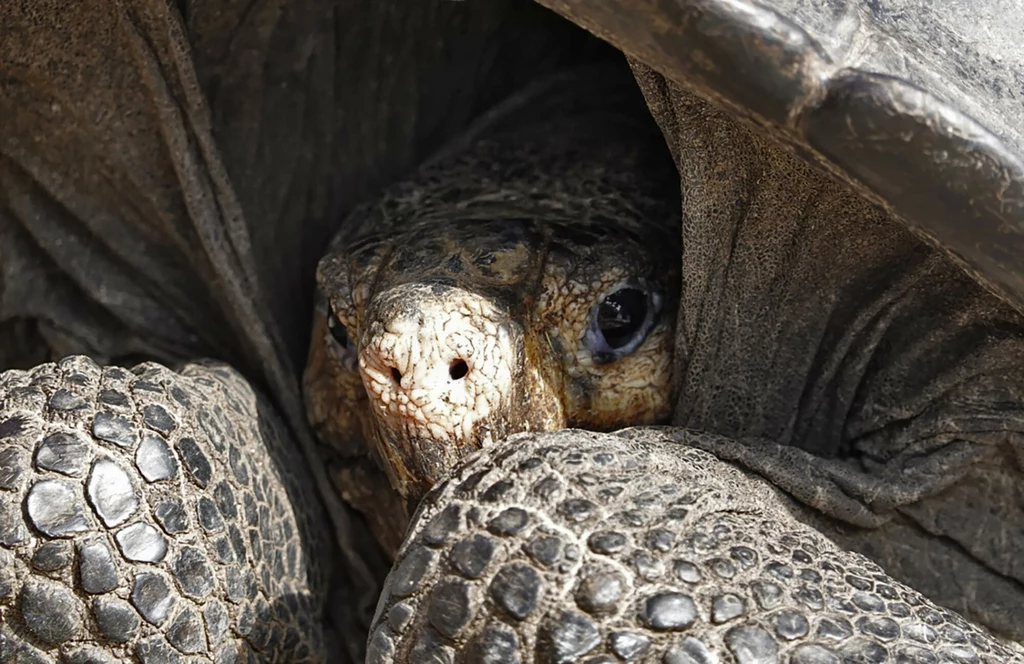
point(381, 648)
point(400, 616)
point(814, 654)
point(791, 625)
point(606, 542)
point(601, 591)
point(410, 572)
point(628, 645)
point(114, 429)
point(495, 645)
point(152, 596)
point(451, 606)
point(687, 571)
point(669, 611)
point(750, 644)
point(470, 556)
point(110, 492)
point(690, 651)
point(517, 588)
point(568, 635)
point(64, 453)
point(142, 542)
point(155, 459)
point(56, 508)
point(726, 607)
point(443, 526)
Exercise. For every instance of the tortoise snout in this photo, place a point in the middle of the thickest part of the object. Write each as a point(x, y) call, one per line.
point(418, 361)
point(438, 364)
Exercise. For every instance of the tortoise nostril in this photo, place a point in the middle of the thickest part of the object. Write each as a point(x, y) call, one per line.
point(458, 369)
point(396, 375)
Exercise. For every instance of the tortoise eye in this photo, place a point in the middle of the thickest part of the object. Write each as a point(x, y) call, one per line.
point(621, 320)
point(338, 330)
point(621, 316)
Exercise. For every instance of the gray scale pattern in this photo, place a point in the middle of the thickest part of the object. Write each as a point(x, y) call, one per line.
point(113, 475)
point(703, 568)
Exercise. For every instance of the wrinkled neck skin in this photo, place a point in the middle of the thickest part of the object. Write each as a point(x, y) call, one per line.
point(851, 365)
point(810, 318)
point(466, 296)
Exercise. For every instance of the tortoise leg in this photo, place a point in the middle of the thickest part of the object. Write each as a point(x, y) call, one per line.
point(577, 546)
point(155, 515)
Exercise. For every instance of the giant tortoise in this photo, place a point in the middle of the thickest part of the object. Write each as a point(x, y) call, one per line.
point(710, 353)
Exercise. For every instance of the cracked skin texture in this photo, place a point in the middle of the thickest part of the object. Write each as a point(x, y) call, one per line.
point(479, 258)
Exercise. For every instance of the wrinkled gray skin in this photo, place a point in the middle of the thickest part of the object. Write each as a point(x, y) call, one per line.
point(151, 199)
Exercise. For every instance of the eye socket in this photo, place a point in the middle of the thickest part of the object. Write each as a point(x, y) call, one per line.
point(338, 330)
point(621, 321)
point(343, 347)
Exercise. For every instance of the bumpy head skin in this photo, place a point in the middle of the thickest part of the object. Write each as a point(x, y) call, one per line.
point(509, 287)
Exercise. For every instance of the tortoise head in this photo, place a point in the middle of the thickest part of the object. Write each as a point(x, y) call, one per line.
point(517, 286)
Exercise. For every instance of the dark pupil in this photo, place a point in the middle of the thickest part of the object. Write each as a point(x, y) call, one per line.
point(621, 315)
point(338, 330)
